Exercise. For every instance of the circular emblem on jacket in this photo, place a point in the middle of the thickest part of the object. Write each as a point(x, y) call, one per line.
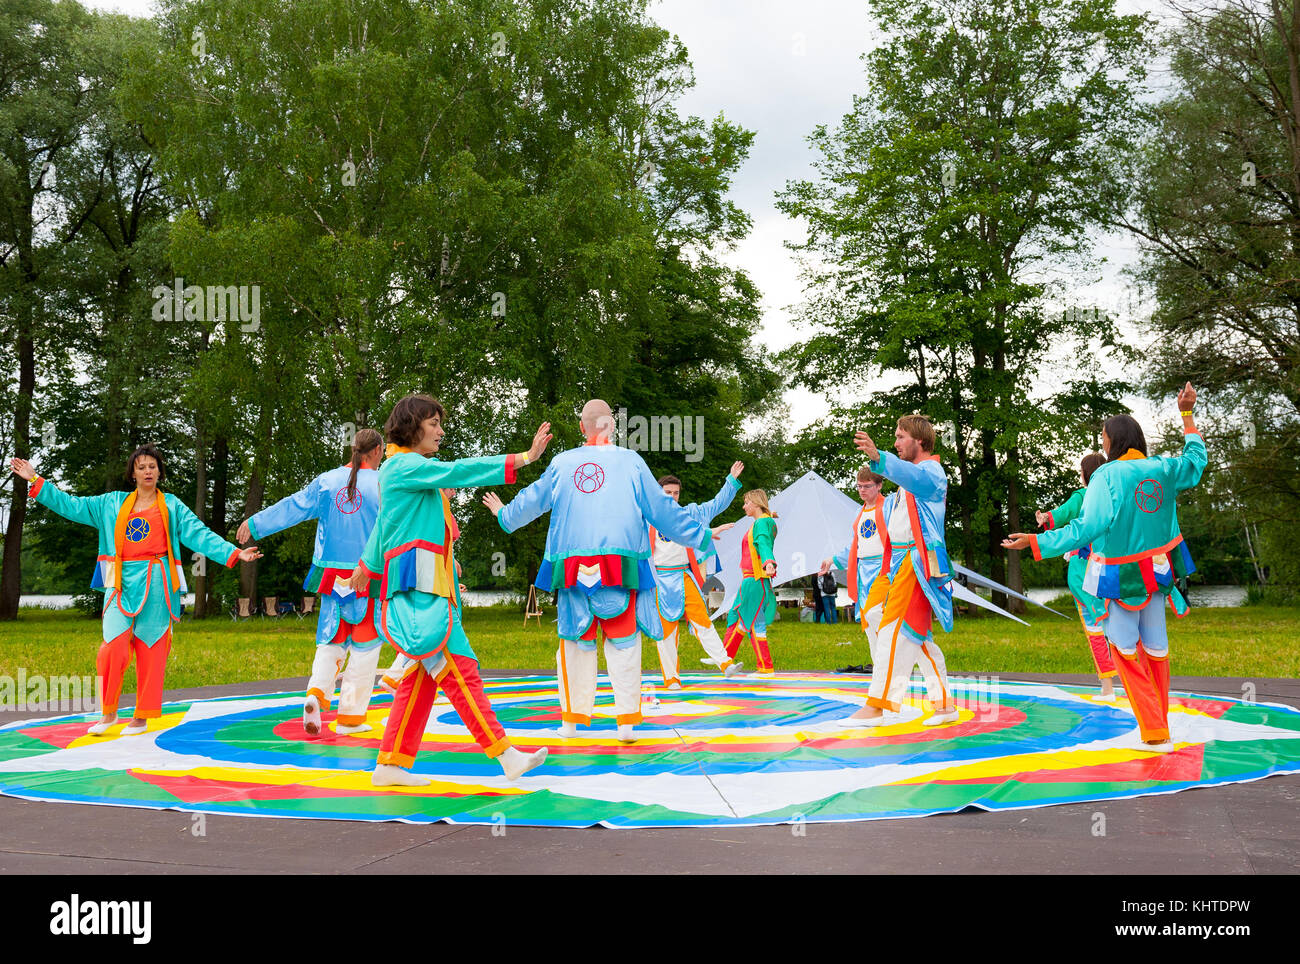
point(1149, 496)
point(137, 530)
point(868, 528)
point(344, 504)
point(588, 477)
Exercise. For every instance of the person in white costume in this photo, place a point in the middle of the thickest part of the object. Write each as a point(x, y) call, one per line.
point(679, 581)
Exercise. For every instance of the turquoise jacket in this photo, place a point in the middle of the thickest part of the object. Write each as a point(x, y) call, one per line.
point(142, 595)
point(1130, 516)
point(924, 488)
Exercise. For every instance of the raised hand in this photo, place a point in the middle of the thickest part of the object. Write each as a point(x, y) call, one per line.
point(493, 502)
point(719, 530)
point(23, 469)
point(1186, 398)
point(736, 468)
point(863, 441)
point(541, 439)
point(1042, 519)
point(244, 534)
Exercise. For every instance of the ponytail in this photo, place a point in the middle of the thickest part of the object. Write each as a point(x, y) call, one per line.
point(365, 441)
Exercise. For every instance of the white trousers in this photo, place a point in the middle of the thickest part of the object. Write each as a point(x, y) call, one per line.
point(576, 672)
point(709, 639)
point(892, 659)
point(358, 679)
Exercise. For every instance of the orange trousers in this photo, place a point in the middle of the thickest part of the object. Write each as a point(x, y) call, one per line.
point(150, 666)
point(1146, 684)
point(461, 682)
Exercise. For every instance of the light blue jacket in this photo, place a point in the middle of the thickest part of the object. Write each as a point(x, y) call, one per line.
point(342, 526)
point(924, 487)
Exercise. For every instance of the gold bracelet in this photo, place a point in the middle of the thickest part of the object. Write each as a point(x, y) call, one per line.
point(1187, 414)
point(524, 457)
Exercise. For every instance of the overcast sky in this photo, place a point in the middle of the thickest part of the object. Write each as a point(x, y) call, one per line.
point(779, 67)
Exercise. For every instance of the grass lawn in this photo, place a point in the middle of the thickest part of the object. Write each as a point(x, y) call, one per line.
point(1243, 642)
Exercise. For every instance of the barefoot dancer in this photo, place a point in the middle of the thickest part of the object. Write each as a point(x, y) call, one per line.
point(411, 548)
point(1130, 518)
point(1091, 609)
point(141, 572)
point(345, 504)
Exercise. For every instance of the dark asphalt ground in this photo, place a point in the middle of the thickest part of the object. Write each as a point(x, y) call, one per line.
point(1241, 829)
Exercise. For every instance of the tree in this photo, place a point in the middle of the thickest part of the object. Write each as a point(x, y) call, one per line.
point(977, 161)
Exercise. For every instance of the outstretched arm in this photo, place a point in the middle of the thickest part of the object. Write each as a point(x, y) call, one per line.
point(302, 505)
point(78, 508)
point(191, 532)
point(526, 505)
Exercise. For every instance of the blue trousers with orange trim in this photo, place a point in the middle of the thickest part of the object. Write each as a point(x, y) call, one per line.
point(460, 680)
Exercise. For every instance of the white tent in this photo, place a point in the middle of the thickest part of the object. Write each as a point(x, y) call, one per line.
point(813, 522)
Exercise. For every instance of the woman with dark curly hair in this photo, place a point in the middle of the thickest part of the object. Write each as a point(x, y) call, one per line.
point(140, 572)
point(410, 548)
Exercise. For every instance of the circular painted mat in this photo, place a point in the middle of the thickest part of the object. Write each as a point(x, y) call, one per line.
point(720, 752)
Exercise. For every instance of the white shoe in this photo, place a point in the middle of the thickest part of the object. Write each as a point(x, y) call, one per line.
point(516, 762)
point(135, 729)
point(387, 775)
point(100, 728)
point(311, 716)
point(567, 731)
point(882, 720)
point(941, 717)
point(674, 685)
point(626, 734)
point(1108, 698)
point(347, 729)
point(388, 685)
point(732, 670)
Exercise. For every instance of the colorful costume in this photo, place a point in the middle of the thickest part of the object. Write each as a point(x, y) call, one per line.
point(1130, 518)
point(140, 572)
point(867, 561)
point(602, 499)
point(347, 619)
point(755, 606)
point(679, 581)
point(411, 549)
point(1091, 609)
point(919, 584)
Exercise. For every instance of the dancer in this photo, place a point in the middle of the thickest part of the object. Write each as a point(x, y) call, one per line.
point(602, 499)
point(867, 558)
point(345, 504)
point(410, 548)
point(679, 580)
point(1091, 609)
point(1130, 519)
point(140, 572)
point(755, 606)
point(919, 577)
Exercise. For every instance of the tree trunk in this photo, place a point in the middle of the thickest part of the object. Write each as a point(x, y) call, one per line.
point(220, 453)
point(11, 579)
point(253, 500)
point(1015, 579)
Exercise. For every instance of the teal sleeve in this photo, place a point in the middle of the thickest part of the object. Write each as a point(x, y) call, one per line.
point(1095, 518)
point(765, 539)
point(1187, 468)
point(462, 473)
point(372, 557)
point(1067, 511)
point(86, 509)
point(191, 532)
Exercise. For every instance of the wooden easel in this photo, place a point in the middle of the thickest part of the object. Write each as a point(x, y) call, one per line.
point(531, 608)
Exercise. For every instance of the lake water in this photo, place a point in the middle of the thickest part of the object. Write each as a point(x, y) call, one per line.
point(1211, 597)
